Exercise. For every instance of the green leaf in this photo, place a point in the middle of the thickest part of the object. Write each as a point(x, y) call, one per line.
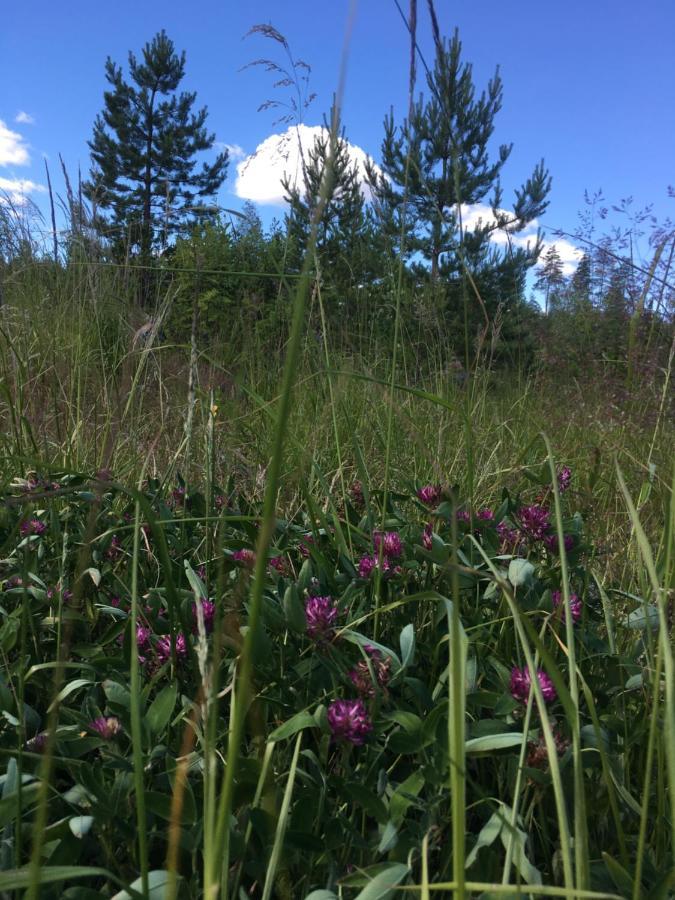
point(116, 694)
point(407, 644)
point(70, 688)
point(487, 836)
point(382, 885)
point(80, 825)
point(293, 725)
point(294, 610)
point(621, 878)
point(160, 805)
point(158, 880)
point(321, 895)
point(520, 572)
point(9, 806)
point(161, 708)
point(15, 879)
point(494, 742)
point(197, 585)
point(404, 795)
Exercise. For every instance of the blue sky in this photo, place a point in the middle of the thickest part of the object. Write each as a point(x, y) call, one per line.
point(589, 86)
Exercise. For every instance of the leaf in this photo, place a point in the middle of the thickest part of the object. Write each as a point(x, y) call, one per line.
point(159, 713)
point(296, 723)
point(520, 572)
point(494, 742)
point(116, 694)
point(389, 838)
point(644, 617)
point(407, 644)
point(80, 825)
point(404, 795)
point(68, 689)
point(15, 879)
point(621, 878)
point(294, 610)
point(160, 805)
point(158, 880)
point(9, 805)
point(197, 585)
point(383, 884)
point(94, 574)
point(487, 836)
point(321, 895)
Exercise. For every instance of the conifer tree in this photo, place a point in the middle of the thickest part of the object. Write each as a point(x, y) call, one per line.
point(145, 185)
point(550, 279)
point(447, 136)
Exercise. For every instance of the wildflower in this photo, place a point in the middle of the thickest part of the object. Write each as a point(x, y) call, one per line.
point(208, 612)
point(179, 495)
point(367, 565)
point(107, 727)
point(164, 647)
point(576, 606)
point(53, 592)
point(509, 537)
point(245, 557)
point(534, 521)
point(116, 601)
point(201, 573)
point(349, 721)
point(360, 675)
point(553, 544)
point(219, 501)
point(485, 514)
point(32, 526)
point(279, 564)
point(429, 494)
point(304, 545)
point(37, 743)
point(321, 614)
point(521, 683)
point(537, 757)
point(114, 551)
point(564, 478)
point(463, 516)
point(390, 542)
point(356, 494)
point(427, 536)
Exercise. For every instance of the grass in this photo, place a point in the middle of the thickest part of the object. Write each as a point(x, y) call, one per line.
point(148, 471)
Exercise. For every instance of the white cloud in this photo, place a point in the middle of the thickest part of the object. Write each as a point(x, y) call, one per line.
point(24, 118)
point(480, 213)
point(259, 175)
point(17, 189)
point(234, 150)
point(13, 150)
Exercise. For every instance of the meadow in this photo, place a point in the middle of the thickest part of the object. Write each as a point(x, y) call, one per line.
point(299, 621)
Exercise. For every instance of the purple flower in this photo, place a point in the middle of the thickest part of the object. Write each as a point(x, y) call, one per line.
point(106, 726)
point(321, 614)
point(564, 478)
point(429, 494)
point(463, 516)
point(304, 545)
point(360, 675)
point(368, 564)
point(356, 494)
point(521, 683)
point(179, 495)
point(208, 612)
point(485, 514)
point(53, 592)
point(391, 543)
point(142, 636)
point(427, 536)
point(279, 564)
point(349, 721)
point(552, 543)
point(576, 606)
point(509, 537)
point(32, 526)
point(114, 550)
point(534, 521)
point(37, 743)
point(164, 647)
point(245, 557)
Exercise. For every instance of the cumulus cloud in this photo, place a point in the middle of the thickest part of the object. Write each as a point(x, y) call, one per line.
point(24, 118)
point(259, 175)
point(13, 150)
point(234, 150)
point(17, 189)
point(481, 214)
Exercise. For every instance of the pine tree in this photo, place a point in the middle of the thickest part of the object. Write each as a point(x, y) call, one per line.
point(550, 279)
point(144, 185)
point(447, 136)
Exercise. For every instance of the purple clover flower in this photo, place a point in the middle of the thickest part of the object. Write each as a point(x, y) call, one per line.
point(534, 521)
point(463, 516)
point(360, 675)
point(390, 543)
point(208, 612)
point(279, 564)
point(349, 721)
point(245, 557)
point(115, 549)
point(521, 683)
point(106, 727)
point(576, 605)
point(368, 564)
point(427, 536)
point(32, 526)
point(552, 543)
point(485, 514)
point(356, 494)
point(164, 647)
point(564, 479)
point(321, 614)
point(429, 494)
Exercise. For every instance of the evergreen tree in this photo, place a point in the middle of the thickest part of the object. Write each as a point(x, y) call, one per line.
point(331, 177)
point(447, 135)
point(550, 279)
point(579, 289)
point(144, 185)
